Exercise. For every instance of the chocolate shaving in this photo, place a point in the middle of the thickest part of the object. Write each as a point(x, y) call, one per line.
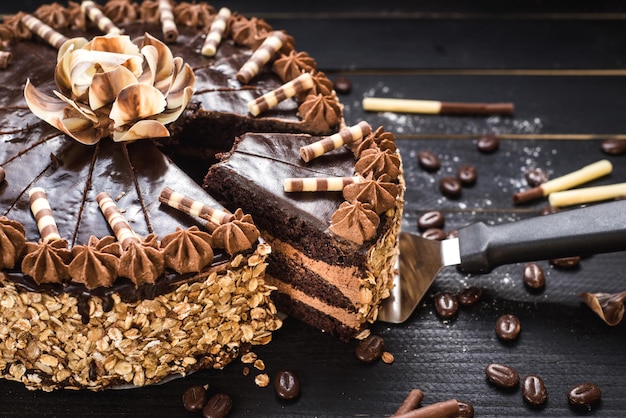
point(608, 306)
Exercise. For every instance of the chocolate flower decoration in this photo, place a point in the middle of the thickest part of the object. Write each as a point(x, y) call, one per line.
point(76, 15)
point(325, 110)
point(377, 162)
point(380, 194)
point(12, 242)
point(378, 139)
point(250, 32)
point(194, 14)
point(47, 262)
point(121, 11)
point(608, 306)
point(20, 30)
point(96, 264)
point(356, 222)
point(109, 86)
point(187, 250)
point(53, 15)
point(291, 65)
point(237, 235)
point(143, 261)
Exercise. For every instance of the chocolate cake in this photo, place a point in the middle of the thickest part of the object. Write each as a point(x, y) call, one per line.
point(117, 268)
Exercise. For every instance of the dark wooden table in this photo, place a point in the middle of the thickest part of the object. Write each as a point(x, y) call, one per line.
point(563, 64)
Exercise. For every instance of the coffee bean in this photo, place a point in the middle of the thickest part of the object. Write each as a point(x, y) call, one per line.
point(218, 406)
point(428, 161)
point(287, 385)
point(488, 143)
point(470, 296)
point(436, 234)
point(533, 276)
point(450, 187)
point(614, 146)
point(508, 327)
point(194, 398)
point(466, 410)
point(584, 394)
point(534, 390)
point(535, 176)
point(566, 262)
point(466, 174)
point(446, 305)
point(502, 375)
point(342, 85)
point(3, 174)
point(370, 349)
point(431, 219)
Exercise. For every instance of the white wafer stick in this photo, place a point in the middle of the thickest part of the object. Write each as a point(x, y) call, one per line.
point(94, 14)
point(318, 184)
point(121, 228)
point(261, 56)
point(434, 107)
point(168, 24)
point(269, 100)
point(587, 195)
point(345, 136)
point(214, 37)
point(43, 215)
point(44, 31)
point(193, 207)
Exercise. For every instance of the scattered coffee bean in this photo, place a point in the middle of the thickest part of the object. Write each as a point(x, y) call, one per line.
point(535, 177)
point(428, 161)
point(436, 234)
point(508, 327)
point(194, 398)
point(287, 385)
point(502, 375)
point(466, 174)
point(446, 304)
point(342, 84)
point(534, 390)
point(450, 187)
point(431, 219)
point(3, 174)
point(470, 296)
point(584, 395)
point(566, 262)
point(466, 410)
point(370, 349)
point(614, 146)
point(218, 406)
point(488, 143)
point(533, 276)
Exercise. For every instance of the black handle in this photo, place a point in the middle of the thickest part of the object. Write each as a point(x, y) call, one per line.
point(591, 230)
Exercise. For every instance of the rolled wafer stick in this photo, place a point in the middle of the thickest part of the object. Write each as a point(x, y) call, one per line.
point(94, 14)
point(5, 59)
point(261, 56)
point(44, 31)
point(345, 136)
point(435, 107)
point(445, 409)
point(42, 212)
point(193, 207)
point(168, 24)
point(269, 100)
point(412, 401)
point(214, 37)
point(568, 181)
point(587, 195)
point(121, 228)
point(318, 184)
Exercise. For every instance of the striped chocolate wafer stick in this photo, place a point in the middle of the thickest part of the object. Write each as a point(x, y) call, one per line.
point(5, 59)
point(318, 184)
point(193, 207)
point(168, 24)
point(435, 107)
point(287, 90)
point(121, 228)
point(345, 136)
point(261, 56)
point(214, 37)
point(44, 31)
point(94, 14)
point(43, 214)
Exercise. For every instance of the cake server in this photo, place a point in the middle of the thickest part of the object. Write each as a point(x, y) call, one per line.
point(480, 248)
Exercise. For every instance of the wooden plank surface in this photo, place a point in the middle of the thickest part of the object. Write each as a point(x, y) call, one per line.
point(562, 64)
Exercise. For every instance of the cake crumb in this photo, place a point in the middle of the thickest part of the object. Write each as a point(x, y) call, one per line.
point(363, 334)
point(259, 365)
point(249, 358)
point(387, 357)
point(246, 371)
point(262, 380)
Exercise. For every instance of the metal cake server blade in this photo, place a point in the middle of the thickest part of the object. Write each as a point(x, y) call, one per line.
point(480, 248)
